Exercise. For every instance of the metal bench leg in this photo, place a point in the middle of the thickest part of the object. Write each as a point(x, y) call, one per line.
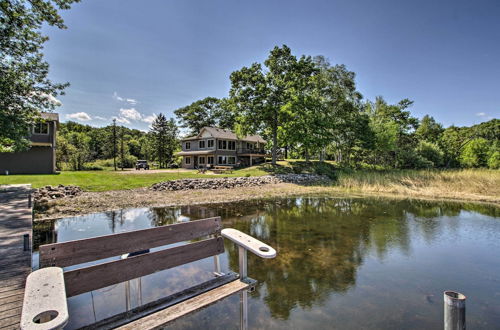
point(243, 294)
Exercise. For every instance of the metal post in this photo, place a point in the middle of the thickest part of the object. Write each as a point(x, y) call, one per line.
point(217, 270)
point(242, 262)
point(243, 294)
point(26, 242)
point(454, 311)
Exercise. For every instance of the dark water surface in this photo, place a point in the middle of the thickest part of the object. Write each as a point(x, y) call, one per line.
point(342, 263)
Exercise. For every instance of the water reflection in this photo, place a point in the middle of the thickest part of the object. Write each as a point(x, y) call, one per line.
point(342, 263)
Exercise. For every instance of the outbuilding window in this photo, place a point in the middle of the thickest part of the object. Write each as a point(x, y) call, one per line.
point(41, 128)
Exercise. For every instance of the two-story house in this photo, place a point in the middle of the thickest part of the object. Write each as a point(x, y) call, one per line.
point(41, 157)
point(214, 146)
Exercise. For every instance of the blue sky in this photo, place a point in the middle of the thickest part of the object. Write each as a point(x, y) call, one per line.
point(134, 59)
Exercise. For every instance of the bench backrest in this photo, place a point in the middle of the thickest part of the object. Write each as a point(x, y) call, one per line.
point(97, 276)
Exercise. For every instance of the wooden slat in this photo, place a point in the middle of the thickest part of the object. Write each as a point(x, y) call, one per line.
point(102, 275)
point(11, 299)
point(85, 250)
point(159, 319)
point(160, 304)
point(11, 322)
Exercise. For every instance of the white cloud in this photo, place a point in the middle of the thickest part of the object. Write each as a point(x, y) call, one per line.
point(122, 120)
point(149, 119)
point(100, 118)
point(123, 99)
point(82, 116)
point(481, 114)
point(130, 114)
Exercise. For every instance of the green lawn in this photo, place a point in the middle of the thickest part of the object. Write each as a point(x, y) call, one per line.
point(111, 180)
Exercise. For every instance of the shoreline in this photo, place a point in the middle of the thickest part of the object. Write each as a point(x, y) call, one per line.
point(95, 202)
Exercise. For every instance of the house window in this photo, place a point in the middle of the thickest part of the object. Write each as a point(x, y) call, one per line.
point(187, 160)
point(188, 145)
point(223, 160)
point(210, 160)
point(231, 145)
point(41, 128)
point(210, 143)
point(223, 144)
point(202, 144)
point(250, 145)
point(201, 160)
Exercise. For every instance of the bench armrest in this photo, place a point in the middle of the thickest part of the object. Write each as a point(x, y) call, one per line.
point(44, 305)
point(249, 243)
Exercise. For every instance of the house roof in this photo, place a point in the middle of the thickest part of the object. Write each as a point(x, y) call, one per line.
point(220, 133)
point(50, 116)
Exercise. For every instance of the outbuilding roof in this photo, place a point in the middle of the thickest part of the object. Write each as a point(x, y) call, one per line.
point(220, 133)
point(50, 116)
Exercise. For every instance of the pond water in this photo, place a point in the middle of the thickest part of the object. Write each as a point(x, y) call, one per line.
point(343, 263)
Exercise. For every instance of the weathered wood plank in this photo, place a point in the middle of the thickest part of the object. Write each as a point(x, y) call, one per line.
point(9, 293)
point(102, 275)
point(85, 250)
point(11, 288)
point(13, 298)
point(11, 312)
point(10, 322)
point(13, 281)
point(159, 319)
point(11, 305)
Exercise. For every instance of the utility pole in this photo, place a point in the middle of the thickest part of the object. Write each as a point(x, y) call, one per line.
point(122, 151)
point(114, 143)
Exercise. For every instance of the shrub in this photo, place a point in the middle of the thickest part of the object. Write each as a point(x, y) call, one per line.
point(431, 152)
point(475, 153)
point(494, 160)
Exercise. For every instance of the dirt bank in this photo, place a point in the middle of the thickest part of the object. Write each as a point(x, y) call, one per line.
point(91, 202)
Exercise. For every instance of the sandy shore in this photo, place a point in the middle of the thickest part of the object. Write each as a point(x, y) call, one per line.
point(91, 202)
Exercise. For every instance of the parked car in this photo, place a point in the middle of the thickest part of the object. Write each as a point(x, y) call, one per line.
point(142, 164)
point(173, 165)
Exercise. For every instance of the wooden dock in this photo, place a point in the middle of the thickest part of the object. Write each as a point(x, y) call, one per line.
point(15, 263)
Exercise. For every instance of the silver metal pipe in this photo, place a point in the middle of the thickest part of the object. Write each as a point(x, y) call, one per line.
point(244, 310)
point(454, 310)
point(217, 270)
point(242, 262)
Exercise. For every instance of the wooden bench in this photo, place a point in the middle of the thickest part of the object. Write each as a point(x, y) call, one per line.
point(222, 169)
point(45, 305)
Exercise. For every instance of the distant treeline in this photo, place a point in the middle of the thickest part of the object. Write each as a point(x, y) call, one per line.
point(305, 108)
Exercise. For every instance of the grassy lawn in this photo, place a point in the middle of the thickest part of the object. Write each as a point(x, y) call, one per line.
point(111, 180)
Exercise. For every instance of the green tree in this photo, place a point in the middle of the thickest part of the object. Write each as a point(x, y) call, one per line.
point(164, 132)
point(475, 153)
point(431, 152)
point(25, 88)
point(394, 128)
point(259, 95)
point(80, 151)
point(429, 129)
point(207, 112)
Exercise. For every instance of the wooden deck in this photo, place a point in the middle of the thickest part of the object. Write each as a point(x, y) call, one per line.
point(15, 263)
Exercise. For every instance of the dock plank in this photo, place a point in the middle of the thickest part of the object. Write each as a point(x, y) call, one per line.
point(15, 264)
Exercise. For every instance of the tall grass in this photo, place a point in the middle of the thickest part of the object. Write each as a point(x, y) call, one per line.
point(475, 184)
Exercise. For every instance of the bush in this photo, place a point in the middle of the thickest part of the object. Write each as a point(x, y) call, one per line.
point(431, 152)
point(494, 160)
point(475, 153)
point(92, 167)
point(129, 161)
point(408, 159)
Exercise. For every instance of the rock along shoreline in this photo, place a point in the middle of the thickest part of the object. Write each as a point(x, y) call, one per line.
point(235, 182)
